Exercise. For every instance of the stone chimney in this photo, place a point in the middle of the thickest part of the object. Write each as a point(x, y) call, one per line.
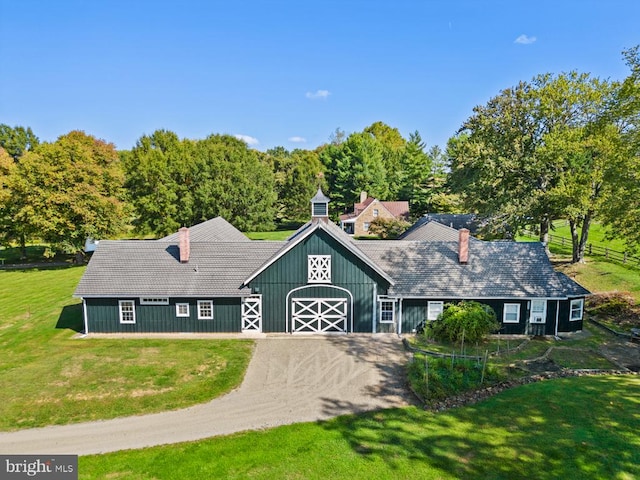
point(363, 196)
point(184, 244)
point(463, 245)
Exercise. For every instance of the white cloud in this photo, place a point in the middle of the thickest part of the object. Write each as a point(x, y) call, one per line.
point(318, 94)
point(247, 139)
point(525, 39)
point(297, 139)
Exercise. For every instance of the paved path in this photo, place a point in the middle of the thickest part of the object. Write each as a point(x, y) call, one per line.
point(289, 380)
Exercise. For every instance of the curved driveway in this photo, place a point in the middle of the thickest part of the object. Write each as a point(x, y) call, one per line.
point(289, 379)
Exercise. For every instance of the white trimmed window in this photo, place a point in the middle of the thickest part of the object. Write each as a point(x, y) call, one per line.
point(205, 309)
point(319, 268)
point(375, 212)
point(511, 313)
point(434, 309)
point(182, 309)
point(127, 309)
point(577, 308)
point(387, 311)
point(154, 301)
point(366, 226)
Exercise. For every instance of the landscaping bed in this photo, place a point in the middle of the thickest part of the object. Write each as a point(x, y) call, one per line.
point(443, 382)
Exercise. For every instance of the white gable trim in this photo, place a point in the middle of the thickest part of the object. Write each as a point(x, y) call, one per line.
point(298, 239)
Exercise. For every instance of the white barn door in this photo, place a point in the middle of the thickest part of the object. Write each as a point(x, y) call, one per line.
point(318, 315)
point(252, 314)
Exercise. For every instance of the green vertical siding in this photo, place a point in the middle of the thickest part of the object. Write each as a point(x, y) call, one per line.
point(103, 316)
point(413, 312)
point(290, 272)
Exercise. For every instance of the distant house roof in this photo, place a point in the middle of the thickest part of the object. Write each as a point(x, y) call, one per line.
point(430, 231)
point(399, 209)
point(454, 220)
point(214, 230)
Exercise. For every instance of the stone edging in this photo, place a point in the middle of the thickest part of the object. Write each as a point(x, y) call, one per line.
point(609, 329)
point(475, 396)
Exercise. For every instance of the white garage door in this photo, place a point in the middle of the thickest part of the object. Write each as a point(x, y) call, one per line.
point(317, 315)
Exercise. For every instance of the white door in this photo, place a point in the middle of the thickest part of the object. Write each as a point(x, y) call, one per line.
point(252, 314)
point(318, 315)
point(538, 311)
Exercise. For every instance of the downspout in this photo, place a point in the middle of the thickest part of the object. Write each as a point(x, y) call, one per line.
point(557, 315)
point(84, 314)
point(375, 307)
point(399, 316)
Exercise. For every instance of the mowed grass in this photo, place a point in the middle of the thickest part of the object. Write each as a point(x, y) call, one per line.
point(597, 235)
point(278, 235)
point(585, 427)
point(47, 377)
point(601, 276)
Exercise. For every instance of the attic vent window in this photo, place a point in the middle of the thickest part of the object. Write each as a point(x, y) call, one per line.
point(154, 301)
point(319, 269)
point(320, 210)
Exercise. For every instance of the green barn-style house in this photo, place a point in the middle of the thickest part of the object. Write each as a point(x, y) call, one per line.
point(212, 278)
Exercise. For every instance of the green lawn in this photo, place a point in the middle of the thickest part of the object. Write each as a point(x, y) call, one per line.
point(597, 235)
point(585, 427)
point(47, 377)
point(277, 235)
point(601, 276)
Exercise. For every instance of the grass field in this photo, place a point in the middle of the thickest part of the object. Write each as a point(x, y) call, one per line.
point(601, 276)
point(47, 377)
point(597, 235)
point(538, 431)
point(277, 235)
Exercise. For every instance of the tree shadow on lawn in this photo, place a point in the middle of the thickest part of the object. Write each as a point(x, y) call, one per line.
point(71, 318)
point(584, 427)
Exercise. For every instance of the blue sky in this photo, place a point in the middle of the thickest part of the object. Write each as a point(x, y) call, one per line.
point(288, 73)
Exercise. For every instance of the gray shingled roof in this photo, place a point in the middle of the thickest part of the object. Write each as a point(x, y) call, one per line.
point(427, 269)
point(430, 231)
point(455, 220)
point(571, 287)
point(123, 268)
point(214, 230)
point(495, 269)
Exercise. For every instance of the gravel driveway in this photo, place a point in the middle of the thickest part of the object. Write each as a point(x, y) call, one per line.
point(289, 379)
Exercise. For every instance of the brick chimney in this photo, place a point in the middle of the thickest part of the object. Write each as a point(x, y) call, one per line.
point(363, 196)
point(463, 245)
point(184, 244)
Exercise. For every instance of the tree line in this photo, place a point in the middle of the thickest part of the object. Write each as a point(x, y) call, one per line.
point(563, 146)
point(78, 186)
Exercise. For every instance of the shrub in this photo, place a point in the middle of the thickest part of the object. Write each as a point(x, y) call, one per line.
point(471, 321)
point(388, 228)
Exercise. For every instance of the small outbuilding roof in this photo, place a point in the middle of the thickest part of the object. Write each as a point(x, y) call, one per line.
point(214, 230)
